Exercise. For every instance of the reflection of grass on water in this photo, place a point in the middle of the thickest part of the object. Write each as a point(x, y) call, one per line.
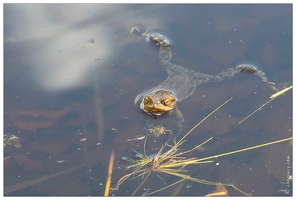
point(173, 163)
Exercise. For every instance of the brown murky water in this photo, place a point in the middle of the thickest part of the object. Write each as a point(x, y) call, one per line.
point(72, 72)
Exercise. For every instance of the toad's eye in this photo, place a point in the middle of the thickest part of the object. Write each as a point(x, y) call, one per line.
point(147, 100)
point(166, 102)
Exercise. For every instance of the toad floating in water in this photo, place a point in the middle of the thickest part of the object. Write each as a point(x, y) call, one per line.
point(181, 83)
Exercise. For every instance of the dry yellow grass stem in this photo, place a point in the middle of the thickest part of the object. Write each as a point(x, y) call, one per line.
point(110, 170)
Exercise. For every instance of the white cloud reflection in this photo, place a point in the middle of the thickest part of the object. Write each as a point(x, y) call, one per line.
point(61, 42)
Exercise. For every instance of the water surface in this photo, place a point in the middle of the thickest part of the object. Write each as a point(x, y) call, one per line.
point(72, 72)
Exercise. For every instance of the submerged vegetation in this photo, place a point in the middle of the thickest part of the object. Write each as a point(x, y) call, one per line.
point(173, 162)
